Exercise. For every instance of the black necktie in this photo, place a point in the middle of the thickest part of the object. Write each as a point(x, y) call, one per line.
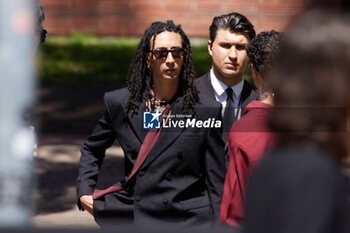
point(229, 114)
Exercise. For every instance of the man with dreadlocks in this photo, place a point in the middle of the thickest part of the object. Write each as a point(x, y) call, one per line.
point(173, 174)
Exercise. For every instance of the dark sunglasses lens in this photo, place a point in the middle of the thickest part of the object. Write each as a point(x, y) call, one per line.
point(160, 53)
point(177, 52)
point(163, 53)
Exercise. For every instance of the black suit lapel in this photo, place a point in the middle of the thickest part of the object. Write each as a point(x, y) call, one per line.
point(167, 136)
point(136, 122)
point(249, 93)
point(205, 86)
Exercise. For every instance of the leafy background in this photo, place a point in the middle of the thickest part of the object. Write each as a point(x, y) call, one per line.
point(84, 58)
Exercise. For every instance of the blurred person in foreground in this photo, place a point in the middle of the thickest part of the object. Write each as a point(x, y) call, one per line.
point(41, 33)
point(39, 38)
point(298, 186)
point(250, 137)
point(180, 178)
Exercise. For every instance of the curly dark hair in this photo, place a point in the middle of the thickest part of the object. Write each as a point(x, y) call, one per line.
point(262, 50)
point(235, 22)
point(140, 76)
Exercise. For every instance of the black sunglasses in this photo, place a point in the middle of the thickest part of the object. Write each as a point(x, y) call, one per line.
point(162, 53)
point(43, 35)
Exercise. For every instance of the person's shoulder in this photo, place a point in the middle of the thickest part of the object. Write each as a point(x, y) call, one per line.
point(117, 94)
point(203, 77)
point(116, 99)
point(203, 80)
point(257, 111)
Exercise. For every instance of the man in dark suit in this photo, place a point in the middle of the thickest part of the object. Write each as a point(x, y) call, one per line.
point(229, 35)
point(174, 174)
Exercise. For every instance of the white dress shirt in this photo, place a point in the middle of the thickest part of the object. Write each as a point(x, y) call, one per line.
point(220, 91)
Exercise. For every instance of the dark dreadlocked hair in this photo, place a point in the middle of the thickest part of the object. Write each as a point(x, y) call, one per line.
point(140, 76)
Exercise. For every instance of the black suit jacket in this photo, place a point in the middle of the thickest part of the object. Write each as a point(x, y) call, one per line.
point(249, 92)
point(181, 180)
point(296, 188)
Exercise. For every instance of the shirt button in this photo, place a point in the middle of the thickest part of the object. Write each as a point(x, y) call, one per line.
point(165, 201)
point(168, 177)
point(137, 198)
point(141, 173)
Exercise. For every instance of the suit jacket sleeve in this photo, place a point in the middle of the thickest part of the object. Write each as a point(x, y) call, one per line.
point(215, 167)
point(93, 152)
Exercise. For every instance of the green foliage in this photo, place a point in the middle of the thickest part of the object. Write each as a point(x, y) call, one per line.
point(83, 58)
point(201, 59)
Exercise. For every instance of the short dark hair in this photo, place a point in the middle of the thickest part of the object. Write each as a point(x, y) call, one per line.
point(140, 76)
point(311, 79)
point(262, 50)
point(235, 22)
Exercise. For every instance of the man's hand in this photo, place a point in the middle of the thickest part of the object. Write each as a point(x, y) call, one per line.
point(87, 203)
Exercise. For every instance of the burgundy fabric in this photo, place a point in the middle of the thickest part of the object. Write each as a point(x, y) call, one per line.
point(147, 144)
point(248, 140)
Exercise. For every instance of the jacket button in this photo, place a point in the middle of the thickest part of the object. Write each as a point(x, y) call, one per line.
point(168, 177)
point(141, 173)
point(137, 198)
point(165, 201)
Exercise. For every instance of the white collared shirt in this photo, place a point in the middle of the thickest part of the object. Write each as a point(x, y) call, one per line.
point(220, 91)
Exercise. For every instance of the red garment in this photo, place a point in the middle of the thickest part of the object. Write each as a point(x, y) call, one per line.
point(249, 139)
